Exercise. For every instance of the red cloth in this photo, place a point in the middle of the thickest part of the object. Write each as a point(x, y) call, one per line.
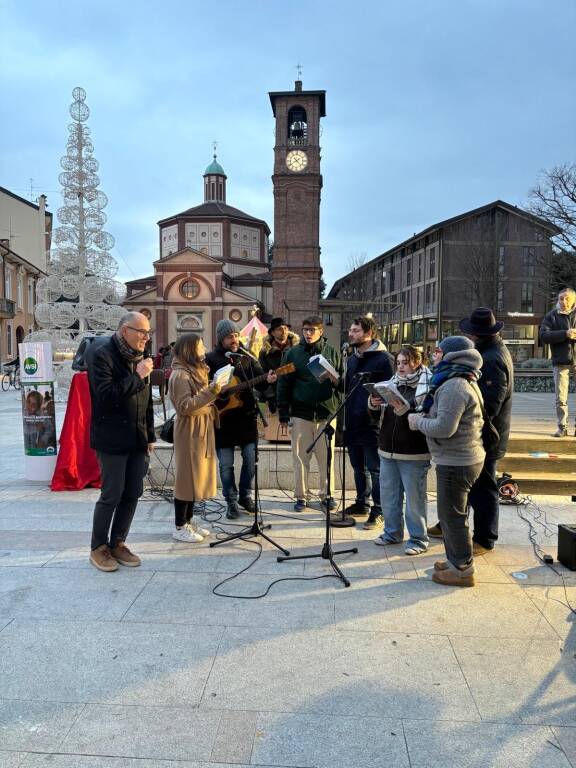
point(77, 466)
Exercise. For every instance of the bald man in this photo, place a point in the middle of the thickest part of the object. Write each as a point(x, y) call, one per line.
point(122, 434)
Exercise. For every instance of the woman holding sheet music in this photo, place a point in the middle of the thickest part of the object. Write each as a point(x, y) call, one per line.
point(404, 456)
point(194, 441)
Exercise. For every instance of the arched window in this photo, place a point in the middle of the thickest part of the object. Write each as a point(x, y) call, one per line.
point(297, 127)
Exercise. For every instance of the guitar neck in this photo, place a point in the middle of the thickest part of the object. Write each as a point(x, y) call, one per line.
point(245, 384)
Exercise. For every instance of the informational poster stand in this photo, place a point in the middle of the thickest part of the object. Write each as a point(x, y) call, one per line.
point(38, 412)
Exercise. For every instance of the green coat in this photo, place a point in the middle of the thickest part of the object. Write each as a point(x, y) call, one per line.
point(298, 393)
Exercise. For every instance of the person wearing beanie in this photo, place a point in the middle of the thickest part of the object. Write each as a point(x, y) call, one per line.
point(558, 330)
point(238, 425)
point(452, 421)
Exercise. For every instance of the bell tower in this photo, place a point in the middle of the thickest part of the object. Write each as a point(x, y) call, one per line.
point(297, 182)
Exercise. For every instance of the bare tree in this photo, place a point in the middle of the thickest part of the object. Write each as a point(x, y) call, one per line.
point(356, 259)
point(554, 200)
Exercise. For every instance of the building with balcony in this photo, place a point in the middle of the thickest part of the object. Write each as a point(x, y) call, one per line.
point(496, 256)
point(25, 235)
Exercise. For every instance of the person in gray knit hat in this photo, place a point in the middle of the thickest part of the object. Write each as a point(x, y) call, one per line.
point(452, 421)
point(238, 425)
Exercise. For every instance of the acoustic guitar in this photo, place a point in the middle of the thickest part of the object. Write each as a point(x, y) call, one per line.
point(228, 398)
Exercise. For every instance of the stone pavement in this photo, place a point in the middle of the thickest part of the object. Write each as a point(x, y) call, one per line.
point(147, 668)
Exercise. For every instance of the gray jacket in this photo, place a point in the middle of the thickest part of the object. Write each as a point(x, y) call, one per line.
point(453, 426)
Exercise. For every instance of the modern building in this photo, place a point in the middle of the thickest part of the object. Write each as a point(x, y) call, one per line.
point(496, 256)
point(25, 236)
point(213, 264)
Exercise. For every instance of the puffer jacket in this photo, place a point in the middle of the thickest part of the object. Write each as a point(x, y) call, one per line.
point(395, 438)
point(300, 394)
point(271, 354)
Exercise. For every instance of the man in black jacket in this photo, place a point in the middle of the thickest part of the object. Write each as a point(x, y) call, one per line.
point(121, 433)
point(238, 425)
point(368, 362)
point(496, 385)
point(558, 329)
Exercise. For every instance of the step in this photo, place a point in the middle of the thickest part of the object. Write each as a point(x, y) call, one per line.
point(552, 463)
point(530, 443)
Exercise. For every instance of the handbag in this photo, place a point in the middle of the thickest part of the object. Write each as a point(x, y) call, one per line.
point(167, 430)
point(490, 435)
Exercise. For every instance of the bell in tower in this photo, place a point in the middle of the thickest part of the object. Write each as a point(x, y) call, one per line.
point(297, 127)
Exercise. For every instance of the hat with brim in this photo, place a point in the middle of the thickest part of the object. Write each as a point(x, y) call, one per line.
point(481, 323)
point(277, 322)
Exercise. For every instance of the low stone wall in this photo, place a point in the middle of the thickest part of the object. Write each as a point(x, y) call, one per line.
point(537, 381)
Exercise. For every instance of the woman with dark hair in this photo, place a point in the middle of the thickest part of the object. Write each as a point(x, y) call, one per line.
point(194, 442)
point(404, 456)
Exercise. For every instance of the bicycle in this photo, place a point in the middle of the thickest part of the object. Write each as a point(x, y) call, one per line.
point(11, 378)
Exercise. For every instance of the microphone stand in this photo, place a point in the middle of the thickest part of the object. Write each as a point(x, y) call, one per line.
point(327, 552)
point(344, 520)
point(257, 528)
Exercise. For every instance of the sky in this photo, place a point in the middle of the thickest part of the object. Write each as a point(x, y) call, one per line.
point(434, 107)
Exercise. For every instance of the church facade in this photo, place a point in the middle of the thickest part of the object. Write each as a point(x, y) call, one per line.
point(213, 264)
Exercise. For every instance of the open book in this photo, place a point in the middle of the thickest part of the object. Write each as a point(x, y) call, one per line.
point(223, 376)
point(388, 391)
point(321, 369)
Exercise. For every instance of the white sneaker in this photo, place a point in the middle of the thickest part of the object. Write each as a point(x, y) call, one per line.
point(187, 535)
point(197, 528)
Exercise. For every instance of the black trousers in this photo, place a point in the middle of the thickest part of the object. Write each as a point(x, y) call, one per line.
point(183, 512)
point(485, 501)
point(122, 485)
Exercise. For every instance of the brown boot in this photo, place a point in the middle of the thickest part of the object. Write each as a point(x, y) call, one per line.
point(451, 577)
point(441, 565)
point(122, 554)
point(102, 559)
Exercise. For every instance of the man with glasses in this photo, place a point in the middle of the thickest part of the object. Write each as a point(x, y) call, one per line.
point(122, 434)
point(307, 403)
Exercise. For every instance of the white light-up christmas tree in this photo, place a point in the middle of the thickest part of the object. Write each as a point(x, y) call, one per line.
point(79, 296)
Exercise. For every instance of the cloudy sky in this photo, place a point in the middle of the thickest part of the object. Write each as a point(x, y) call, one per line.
point(433, 107)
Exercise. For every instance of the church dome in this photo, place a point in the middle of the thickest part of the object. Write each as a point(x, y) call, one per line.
point(214, 168)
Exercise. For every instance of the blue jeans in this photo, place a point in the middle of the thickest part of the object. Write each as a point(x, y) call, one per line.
point(366, 465)
point(399, 479)
point(226, 463)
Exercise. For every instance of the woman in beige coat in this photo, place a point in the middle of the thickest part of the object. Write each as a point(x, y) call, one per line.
point(194, 442)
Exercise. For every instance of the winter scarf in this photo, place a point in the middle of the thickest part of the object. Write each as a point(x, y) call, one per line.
point(126, 350)
point(442, 372)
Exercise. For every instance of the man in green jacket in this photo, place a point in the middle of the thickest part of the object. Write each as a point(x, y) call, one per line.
point(307, 403)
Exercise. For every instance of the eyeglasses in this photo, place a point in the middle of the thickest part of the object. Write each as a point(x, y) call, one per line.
point(141, 333)
point(311, 330)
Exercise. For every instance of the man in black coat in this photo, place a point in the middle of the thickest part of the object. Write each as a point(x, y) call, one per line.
point(367, 356)
point(558, 329)
point(121, 433)
point(238, 425)
point(496, 385)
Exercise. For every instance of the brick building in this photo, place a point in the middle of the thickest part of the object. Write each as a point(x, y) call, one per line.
point(496, 256)
point(213, 264)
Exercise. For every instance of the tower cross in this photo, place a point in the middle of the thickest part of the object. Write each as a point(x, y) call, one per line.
point(299, 71)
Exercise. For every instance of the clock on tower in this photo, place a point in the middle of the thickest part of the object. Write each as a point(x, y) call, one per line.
point(297, 181)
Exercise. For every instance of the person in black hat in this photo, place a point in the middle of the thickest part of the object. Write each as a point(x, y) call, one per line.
point(496, 385)
point(280, 339)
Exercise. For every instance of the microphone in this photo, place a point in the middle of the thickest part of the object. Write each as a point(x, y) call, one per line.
point(230, 355)
point(363, 375)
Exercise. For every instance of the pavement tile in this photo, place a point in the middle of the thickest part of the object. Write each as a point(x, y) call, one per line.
point(11, 759)
point(35, 725)
point(555, 603)
point(296, 740)
point(92, 761)
point(487, 610)
point(530, 681)
point(188, 599)
point(188, 559)
point(346, 673)
point(481, 745)
point(19, 557)
point(45, 593)
point(567, 739)
point(113, 662)
point(235, 737)
point(162, 733)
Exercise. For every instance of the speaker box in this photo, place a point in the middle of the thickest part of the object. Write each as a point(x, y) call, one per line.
point(567, 546)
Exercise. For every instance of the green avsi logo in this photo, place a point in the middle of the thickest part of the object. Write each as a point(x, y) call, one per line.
point(30, 366)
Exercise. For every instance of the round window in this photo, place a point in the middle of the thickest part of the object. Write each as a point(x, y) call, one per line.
point(189, 289)
point(235, 315)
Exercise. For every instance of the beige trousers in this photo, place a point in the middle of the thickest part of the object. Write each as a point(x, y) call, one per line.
point(303, 434)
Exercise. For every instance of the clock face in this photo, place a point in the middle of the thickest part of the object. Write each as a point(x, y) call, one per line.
point(296, 160)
